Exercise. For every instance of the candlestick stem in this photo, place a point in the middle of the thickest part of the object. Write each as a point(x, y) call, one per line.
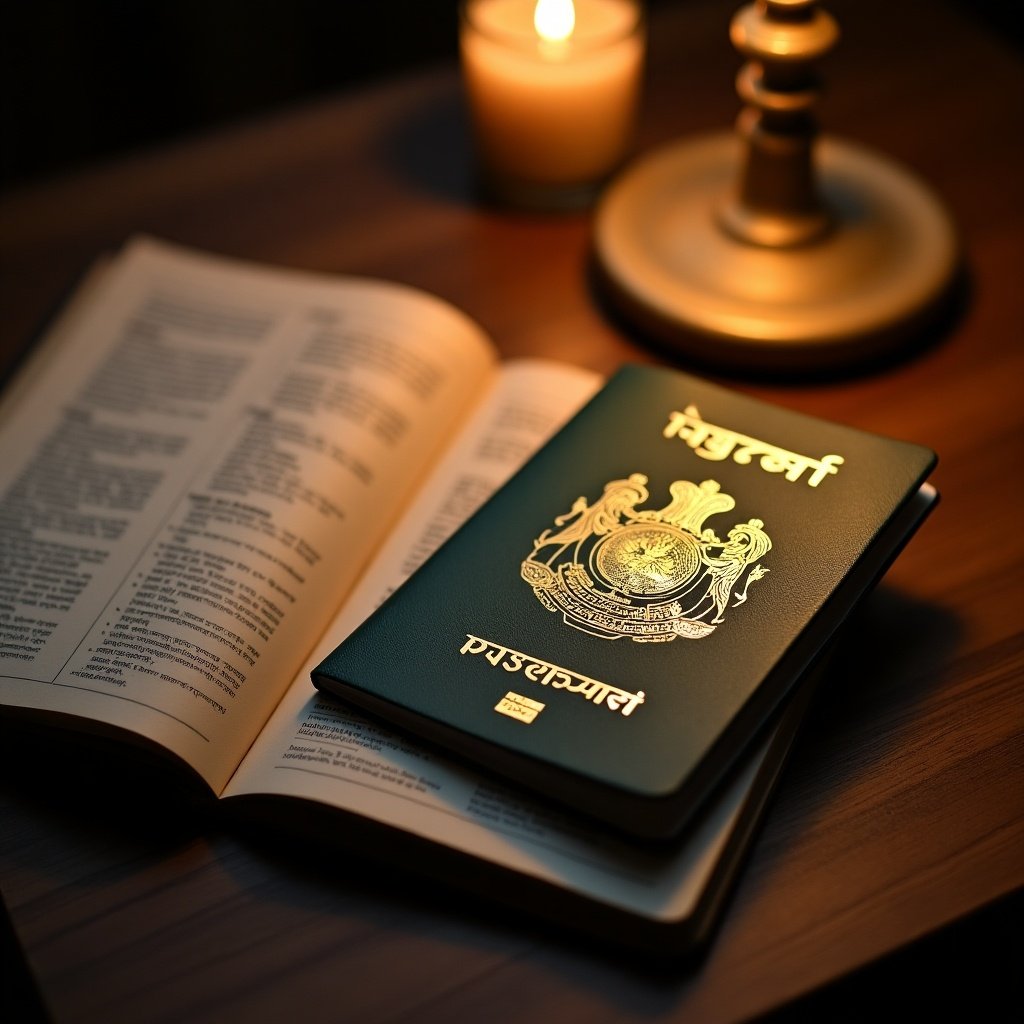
point(778, 202)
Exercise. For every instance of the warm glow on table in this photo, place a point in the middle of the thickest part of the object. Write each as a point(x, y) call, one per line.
point(555, 109)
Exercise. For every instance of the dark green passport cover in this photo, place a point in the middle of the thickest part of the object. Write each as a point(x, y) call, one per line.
point(623, 616)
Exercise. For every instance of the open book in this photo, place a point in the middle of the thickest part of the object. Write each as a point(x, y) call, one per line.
point(210, 474)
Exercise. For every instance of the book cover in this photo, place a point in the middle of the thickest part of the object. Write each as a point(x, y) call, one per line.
point(619, 621)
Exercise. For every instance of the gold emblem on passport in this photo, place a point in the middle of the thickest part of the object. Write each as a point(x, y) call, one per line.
point(521, 708)
point(615, 571)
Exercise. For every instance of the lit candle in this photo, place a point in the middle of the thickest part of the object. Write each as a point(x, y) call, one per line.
point(552, 89)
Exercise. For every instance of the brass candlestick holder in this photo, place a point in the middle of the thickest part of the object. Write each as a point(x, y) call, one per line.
point(771, 247)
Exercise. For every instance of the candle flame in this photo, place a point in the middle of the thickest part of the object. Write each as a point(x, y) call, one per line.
point(554, 20)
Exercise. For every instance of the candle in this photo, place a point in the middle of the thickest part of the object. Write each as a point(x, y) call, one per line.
point(552, 88)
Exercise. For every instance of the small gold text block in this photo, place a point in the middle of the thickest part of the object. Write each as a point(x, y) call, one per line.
point(521, 708)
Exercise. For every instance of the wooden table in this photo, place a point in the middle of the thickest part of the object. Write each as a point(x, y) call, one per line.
point(899, 819)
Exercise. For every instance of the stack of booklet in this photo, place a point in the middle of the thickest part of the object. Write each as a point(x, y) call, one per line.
point(311, 540)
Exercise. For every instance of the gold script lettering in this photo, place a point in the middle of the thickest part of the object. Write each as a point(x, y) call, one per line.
point(546, 674)
point(717, 444)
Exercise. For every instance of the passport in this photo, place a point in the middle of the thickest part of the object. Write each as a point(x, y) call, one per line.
point(619, 622)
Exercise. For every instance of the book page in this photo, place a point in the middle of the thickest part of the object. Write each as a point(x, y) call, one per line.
point(316, 748)
point(194, 475)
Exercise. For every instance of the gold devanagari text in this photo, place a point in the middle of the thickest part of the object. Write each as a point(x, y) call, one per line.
point(545, 674)
point(717, 444)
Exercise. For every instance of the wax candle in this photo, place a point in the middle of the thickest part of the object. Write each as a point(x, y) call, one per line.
point(552, 88)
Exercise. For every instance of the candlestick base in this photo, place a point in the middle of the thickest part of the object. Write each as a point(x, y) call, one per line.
point(851, 294)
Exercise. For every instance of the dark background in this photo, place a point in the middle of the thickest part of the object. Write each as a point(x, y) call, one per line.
point(84, 80)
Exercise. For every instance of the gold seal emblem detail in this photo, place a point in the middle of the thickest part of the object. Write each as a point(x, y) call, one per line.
point(614, 571)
